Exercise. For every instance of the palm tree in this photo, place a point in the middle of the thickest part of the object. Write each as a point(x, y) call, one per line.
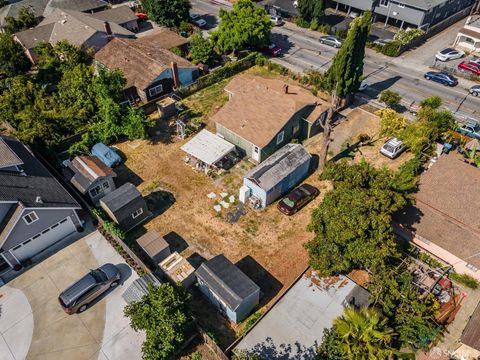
point(363, 336)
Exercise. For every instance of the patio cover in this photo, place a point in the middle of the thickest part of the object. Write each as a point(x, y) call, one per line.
point(208, 147)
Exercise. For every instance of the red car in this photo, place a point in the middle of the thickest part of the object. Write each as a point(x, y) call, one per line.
point(273, 50)
point(470, 67)
point(141, 16)
point(297, 199)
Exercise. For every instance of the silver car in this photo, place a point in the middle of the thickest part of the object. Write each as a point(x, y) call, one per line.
point(331, 40)
point(475, 90)
point(80, 294)
point(449, 54)
point(392, 148)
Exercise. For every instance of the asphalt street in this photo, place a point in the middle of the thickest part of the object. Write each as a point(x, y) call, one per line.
point(302, 51)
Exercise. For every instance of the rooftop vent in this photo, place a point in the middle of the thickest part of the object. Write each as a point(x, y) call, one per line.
point(38, 200)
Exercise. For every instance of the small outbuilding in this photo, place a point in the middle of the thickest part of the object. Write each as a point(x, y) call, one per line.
point(178, 270)
point(275, 176)
point(154, 246)
point(125, 206)
point(208, 150)
point(228, 288)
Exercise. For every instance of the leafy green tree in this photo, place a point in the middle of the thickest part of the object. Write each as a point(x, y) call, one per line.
point(433, 102)
point(390, 98)
point(170, 13)
point(24, 20)
point(247, 25)
point(311, 10)
point(136, 123)
point(352, 225)
point(165, 315)
point(345, 74)
point(391, 122)
point(329, 349)
point(201, 49)
point(12, 58)
point(363, 335)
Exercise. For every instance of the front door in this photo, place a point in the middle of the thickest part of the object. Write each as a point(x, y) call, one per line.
point(255, 153)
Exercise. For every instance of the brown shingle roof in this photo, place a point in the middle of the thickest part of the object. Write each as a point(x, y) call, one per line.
point(164, 38)
point(8, 156)
point(260, 108)
point(447, 208)
point(471, 333)
point(141, 62)
point(92, 167)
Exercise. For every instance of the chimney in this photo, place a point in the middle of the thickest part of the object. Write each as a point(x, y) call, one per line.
point(108, 29)
point(176, 79)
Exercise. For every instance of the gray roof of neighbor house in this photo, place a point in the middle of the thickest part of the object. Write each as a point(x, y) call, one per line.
point(422, 4)
point(74, 26)
point(118, 15)
point(121, 197)
point(140, 61)
point(34, 186)
point(279, 165)
point(471, 333)
point(86, 170)
point(294, 326)
point(226, 280)
point(12, 9)
point(446, 209)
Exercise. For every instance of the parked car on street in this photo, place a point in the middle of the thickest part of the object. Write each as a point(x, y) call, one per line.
point(297, 199)
point(108, 156)
point(475, 60)
point(80, 294)
point(470, 129)
point(276, 20)
point(141, 16)
point(331, 40)
point(449, 54)
point(469, 67)
point(441, 77)
point(475, 90)
point(363, 85)
point(392, 148)
point(272, 50)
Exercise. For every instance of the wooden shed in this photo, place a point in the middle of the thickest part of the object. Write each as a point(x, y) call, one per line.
point(154, 246)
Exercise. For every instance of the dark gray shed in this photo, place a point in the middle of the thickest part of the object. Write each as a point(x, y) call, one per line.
point(154, 246)
point(125, 206)
point(228, 288)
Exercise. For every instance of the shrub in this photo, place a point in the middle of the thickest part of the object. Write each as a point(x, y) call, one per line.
point(314, 25)
point(113, 229)
point(464, 279)
point(177, 51)
point(324, 28)
point(341, 33)
point(390, 98)
point(302, 23)
point(391, 49)
point(407, 36)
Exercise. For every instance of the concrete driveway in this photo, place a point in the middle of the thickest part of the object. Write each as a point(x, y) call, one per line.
point(34, 326)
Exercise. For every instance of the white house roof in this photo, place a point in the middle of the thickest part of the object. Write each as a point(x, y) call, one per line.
point(208, 147)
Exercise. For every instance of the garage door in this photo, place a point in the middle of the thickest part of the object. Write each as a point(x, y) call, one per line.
point(44, 239)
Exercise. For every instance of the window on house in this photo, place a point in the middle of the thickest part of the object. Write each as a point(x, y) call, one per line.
point(384, 3)
point(155, 90)
point(106, 185)
point(30, 218)
point(401, 5)
point(280, 137)
point(95, 191)
point(137, 213)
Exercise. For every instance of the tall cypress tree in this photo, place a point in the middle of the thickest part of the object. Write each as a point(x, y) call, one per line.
point(310, 10)
point(344, 76)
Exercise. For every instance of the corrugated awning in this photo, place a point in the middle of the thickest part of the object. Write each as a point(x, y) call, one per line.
point(208, 147)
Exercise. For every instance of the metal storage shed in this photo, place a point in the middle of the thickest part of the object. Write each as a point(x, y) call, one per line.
point(154, 246)
point(208, 147)
point(275, 176)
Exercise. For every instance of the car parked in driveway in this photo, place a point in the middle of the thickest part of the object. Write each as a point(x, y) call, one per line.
point(441, 77)
point(449, 54)
point(80, 294)
point(331, 40)
point(469, 67)
point(392, 148)
point(297, 199)
point(475, 90)
point(276, 20)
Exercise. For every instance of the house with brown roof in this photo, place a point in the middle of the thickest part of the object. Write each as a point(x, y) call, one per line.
point(469, 344)
point(91, 177)
point(444, 221)
point(151, 70)
point(262, 115)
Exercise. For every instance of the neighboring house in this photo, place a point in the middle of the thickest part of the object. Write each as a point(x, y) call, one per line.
point(43, 8)
point(275, 176)
point(80, 29)
point(125, 206)
point(150, 69)
point(293, 328)
point(154, 246)
point(121, 15)
point(178, 270)
point(166, 39)
point(444, 221)
point(468, 37)
point(262, 115)
point(228, 288)
point(35, 210)
point(91, 177)
point(406, 13)
point(469, 347)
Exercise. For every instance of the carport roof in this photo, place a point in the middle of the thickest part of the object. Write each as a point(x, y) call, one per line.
point(208, 147)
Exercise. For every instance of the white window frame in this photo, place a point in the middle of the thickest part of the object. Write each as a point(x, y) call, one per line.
point(137, 213)
point(30, 218)
point(280, 137)
point(154, 90)
point(97, 190)
point(383, 3)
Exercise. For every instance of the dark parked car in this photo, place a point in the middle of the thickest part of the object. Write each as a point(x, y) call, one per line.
point(331, 40)
point(297, 199)
point(79, 295)
point(441, 77)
